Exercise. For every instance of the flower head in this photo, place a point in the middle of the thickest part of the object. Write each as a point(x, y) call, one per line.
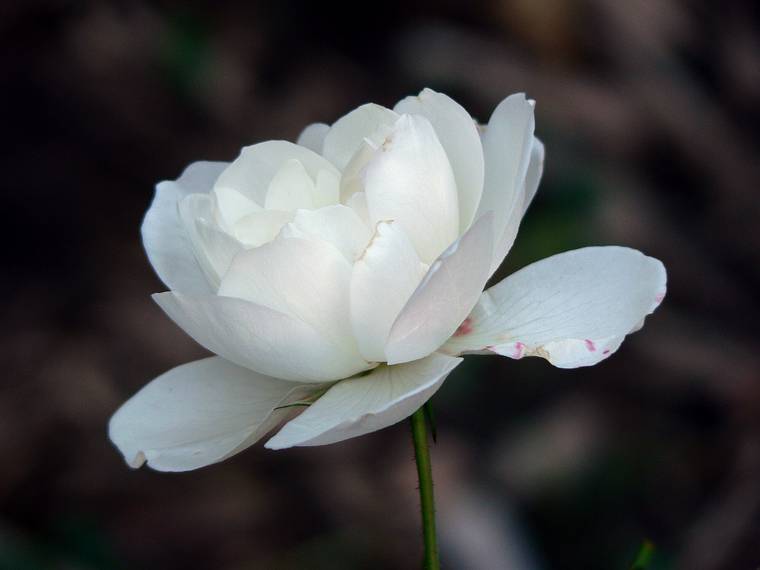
point(342, 277)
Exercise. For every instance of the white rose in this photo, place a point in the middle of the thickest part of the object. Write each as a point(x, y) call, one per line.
point(342, 277)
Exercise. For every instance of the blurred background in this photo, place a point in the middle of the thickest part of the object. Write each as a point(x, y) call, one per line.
point(649, 112)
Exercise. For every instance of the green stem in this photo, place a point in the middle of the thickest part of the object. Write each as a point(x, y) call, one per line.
point(427, 502)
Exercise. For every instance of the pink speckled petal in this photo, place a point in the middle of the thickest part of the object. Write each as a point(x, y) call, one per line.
point(573, 309)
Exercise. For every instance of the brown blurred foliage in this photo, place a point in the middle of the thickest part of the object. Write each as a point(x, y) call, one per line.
point(650, 118)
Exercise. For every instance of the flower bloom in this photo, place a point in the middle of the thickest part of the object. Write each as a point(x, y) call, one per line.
point(339, 280)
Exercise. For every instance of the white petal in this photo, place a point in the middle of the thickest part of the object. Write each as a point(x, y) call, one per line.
point(313, 137)
point(326, 189)
point(358, 203)
point(306, 279)
point(409, 180)
point(446, 295)
point(574, 309)
point(535, 170)
point(259, 338)
point(507, 144)
point(358, 406)
point(251, 173)
point(348, 132)
point(291, 188)
point(460, 139)
point(232, 206)
point(382, 281)
point(218, 247)
point(352, 179)
point(199, 177)
point(338, 225)
point(198, 414)
point(261, 227)
point(167, 244)
point(164, 237)
point(213, 248)
point(523, 200)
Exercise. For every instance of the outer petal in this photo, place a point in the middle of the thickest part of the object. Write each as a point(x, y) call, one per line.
point(446, 295)
point(164, 237)
point(507, 144)
point(523, 200)
point(199, 177)
point(358, 406)
point(262, 339)
point(307, 279)
point(252, 171)
point(198, 414)
point(313, 137)
point(460, 139)
point(409, 180)
point(382, 281)
point(574, 309)
point(535, 171)
point(338, 225)
point(348, 132)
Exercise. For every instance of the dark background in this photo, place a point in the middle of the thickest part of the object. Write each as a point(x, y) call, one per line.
point(649, 112)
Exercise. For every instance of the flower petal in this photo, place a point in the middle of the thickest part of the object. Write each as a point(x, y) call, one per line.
point(291, 188)
point(348, 132)
point(164, 237)
point(507, 144)
point(251, 173)
point(307, 279)
point(260, 338)
point(326, 189)
point(260, 227)
point(446, 295)
point(574, 309)
point(338, 225)
point(523, 200)
point(198, 414)
point(313, 137)
point(358, 203)
point(460, 139)
point(199, 177)
point(382, 281)
point(212, 247)
point(218, 249)
point(358, 406)
point(409, 180)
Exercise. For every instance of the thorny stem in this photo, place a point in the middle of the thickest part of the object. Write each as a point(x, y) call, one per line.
point(427, 501)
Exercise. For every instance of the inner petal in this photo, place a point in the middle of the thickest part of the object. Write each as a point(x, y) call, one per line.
point(291, 188)
point(260, 227)
point(409, 179)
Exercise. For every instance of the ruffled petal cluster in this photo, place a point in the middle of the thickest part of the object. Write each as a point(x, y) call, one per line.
point(339, 279)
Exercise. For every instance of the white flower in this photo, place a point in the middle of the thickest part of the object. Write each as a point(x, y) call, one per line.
point(342, 277)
